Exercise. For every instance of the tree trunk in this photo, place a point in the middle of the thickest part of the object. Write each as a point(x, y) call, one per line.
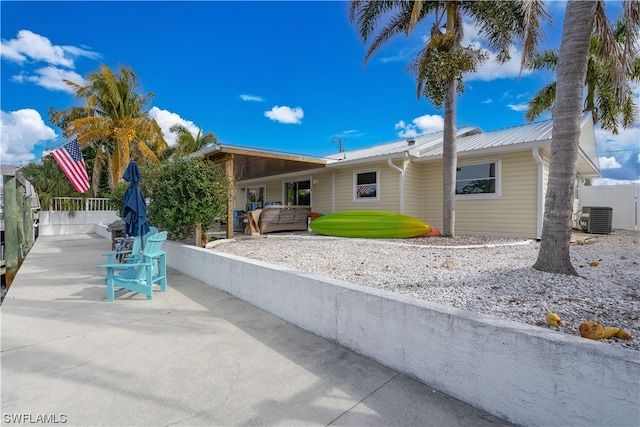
point(554, 256)
point(198, 234)
point(449, 146)
point(449, 161)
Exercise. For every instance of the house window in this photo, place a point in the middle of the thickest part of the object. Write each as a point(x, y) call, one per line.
point(298, 193)
point(478, 179)
point(255, 198)
point(366, 185)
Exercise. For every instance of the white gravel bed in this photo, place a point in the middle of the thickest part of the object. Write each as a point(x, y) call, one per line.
point(481, 274)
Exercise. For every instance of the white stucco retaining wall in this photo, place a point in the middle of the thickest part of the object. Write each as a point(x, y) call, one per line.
point(60, 222)
point(525, 374)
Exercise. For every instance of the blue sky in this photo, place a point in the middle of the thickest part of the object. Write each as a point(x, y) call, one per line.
point(283, 76)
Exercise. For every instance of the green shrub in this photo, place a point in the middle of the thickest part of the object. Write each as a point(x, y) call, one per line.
point(185, 193)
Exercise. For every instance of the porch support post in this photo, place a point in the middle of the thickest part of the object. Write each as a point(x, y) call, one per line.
point(230, 194)
point(11, 243)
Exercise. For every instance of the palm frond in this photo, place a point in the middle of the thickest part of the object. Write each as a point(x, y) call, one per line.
point(544, 60)
point(542, 101)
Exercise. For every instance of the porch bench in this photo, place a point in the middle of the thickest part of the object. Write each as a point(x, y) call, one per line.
point(284, 218)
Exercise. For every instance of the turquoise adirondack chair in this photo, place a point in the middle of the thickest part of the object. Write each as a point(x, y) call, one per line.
point(132, 255)
point(141, 276)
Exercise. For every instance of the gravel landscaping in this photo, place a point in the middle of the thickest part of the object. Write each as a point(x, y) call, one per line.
point(482, 274)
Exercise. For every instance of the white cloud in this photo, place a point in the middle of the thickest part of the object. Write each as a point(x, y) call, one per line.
point(51, 78)
point(491, 69)
point(518, 107)
point(609, 163)
point(166, 119)
point(29, 48)
point(28, 45)
point(22, 130)
point(285, 114)
point(611, 181)
point(488, 101)
point(252, 98)
point(625, 140)
point(420, 125)
point(402, 55)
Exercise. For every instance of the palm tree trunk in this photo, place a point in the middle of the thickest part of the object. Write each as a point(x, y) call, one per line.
point(553, 256)
point(449, 146)
point(449, 160)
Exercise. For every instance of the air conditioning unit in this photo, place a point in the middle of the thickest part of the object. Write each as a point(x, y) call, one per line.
point(596, 219)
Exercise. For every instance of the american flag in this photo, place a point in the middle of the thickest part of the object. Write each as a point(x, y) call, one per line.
point(69, 157)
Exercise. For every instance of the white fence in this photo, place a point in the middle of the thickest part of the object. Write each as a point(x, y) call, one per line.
point(87, 213)
point(79, 204)
point(623, 199)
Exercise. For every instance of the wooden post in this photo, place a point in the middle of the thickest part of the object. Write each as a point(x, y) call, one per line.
point(230, 195)
point(22, 237)
point(11, 242)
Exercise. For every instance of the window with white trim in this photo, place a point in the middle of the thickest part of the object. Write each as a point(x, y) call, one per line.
point(366, 185)
point(480, 179)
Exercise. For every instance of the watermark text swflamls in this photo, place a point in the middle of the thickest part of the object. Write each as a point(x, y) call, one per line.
point(26, 418)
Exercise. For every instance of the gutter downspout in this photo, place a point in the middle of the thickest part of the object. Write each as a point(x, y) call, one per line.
point(391, 165)
point(540, 203)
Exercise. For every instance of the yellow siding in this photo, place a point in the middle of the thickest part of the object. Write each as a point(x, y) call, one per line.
point(389, 189)
point(432, 194)
point(273, 191)
point(512, 214)
point(413, 189)
point(321, 193)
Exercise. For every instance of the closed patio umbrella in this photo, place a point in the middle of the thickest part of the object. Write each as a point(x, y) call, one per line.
point(134, 213)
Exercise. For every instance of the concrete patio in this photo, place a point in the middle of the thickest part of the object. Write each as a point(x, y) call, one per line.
point(192, 356)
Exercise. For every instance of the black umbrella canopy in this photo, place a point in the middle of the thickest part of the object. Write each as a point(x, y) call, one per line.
point(135, 207)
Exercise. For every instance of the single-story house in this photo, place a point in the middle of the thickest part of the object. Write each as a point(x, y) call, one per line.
point(501, 177)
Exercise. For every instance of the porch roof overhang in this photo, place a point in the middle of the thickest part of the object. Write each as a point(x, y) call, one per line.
point(249, 164)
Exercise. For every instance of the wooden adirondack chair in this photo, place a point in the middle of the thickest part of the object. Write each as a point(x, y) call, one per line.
point(140, 276)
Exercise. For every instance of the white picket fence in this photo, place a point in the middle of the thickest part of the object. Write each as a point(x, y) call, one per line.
point(623, 199)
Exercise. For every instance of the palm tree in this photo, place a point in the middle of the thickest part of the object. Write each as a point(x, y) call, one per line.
point(114, 119)
point(581, 18)
point(48, 180)
point(440, 66)
point(187, 143)
point(601, 98)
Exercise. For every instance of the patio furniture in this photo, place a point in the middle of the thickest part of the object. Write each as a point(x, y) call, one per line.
point(129, 248)
point(252, 227)
point(284, 218)
point(140, 276)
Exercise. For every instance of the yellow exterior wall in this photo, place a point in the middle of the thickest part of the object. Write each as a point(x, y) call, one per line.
point(273, 191)
point(321, 193)
point(412, 189)
point(514, 213)
point(388, 189)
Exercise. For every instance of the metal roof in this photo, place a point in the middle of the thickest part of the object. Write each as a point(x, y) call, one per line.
point(516, 137)
point(501, 138)
point(411, 146)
